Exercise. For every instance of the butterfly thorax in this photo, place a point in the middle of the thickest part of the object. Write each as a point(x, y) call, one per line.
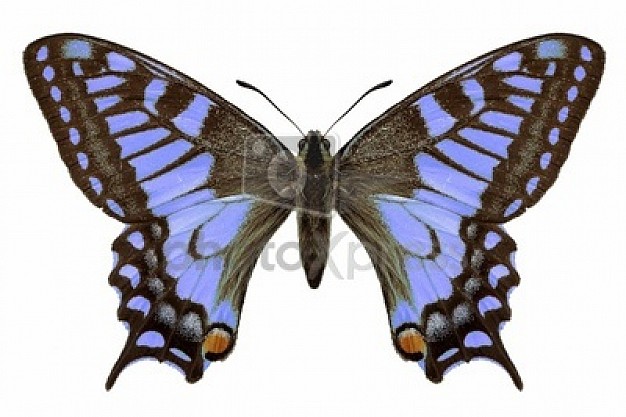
point(314, 203)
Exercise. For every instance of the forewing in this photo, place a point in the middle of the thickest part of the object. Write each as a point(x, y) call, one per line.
point(426, 184)
point(186, 169)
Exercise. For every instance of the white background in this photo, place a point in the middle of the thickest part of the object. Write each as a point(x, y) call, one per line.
point(304, 352)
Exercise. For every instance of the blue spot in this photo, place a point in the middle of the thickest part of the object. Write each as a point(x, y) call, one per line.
point(105, 82)
point(474, 91)
point(523, 102)
point(55, 93)
point(496, 273)
point(436, 119)
point(96, 185)
point(132, 273)
point(180, 354)
point(523, 82)
point(513, 207)
point(551, 69)
point(553, 137)
point(103, 103)
point(551, 49)
point(156, 160)
point(488, 303)
point(447, 354)
point(65, 114)
point(74, 136)
point(151, 339)
point(531, 185)
point(563, 114)
point(191, 120)
point(544, 161)
point(580, 73)
point(153, 93)
point(505, 121)
point(48, 73)
point(78, 71)
point(77, 49)
point(136, 239)
point(508, 63)
point(572, 93)
point(491, 240)
point(477, 339)
point(119, 62)
point(42, 53)
point(585, 54)
point(83, 161)
point(116, 259)
point(491, 142)
point(124, 121)
point(139, 303)
point(115, 208)
point(139, 141)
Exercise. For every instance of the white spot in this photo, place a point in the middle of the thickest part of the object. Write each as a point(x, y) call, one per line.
point(437, 326)
point(190, 326)
point(166, 314)
point(77, 48)
point(477, 259)
point(461, 314)
point(156, 286)
point(472, 285)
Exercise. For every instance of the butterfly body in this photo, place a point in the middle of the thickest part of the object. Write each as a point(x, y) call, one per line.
point(202, 187)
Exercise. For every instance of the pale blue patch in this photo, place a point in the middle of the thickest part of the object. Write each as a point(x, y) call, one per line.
point(544, 161)
point(77, 69)
point(551, 69)
point(513, 207)
point(106, 82)
point(563, 113)
point(488, 303)
point(512, 258)
point(492, 142)
point(116, 259)
point(440, 200)
point(136, 239)
point(474, 161)
point(580, 73)
point(224, 313)
point(139, 303)
point(76, 48)
point(572, 93)
point(474, 91)
point(139, 141)
point(438, 279)
point(194, 216)
point(523, 82)
point(184, 202)
point(508, 63)
point(55, 93)
point(410, 232)
point(551, 48)
point(585, 53)
point(48, 73)
point(451, 265)
point(176, 251)
point(132, 273)
point(509, 292)
point(403, 314)
point(217, 233)
point(180, 354)
point(205, 364)
point(477, 339)
point(450, 245)
point(83, 160)
point(200, 282)
point(153, 92)
point(158, 159)
point(436, 119)
point(74, 136)
point(496, 273)
point(531, 185)
point(103, 103)
point(65, 114)
point(119, 62)
point(115, 207)
point(523, 102)
point(437, 217)
point(124, 121)
point(179, 180)
point(509, 122)
point(191, 120)
point(96, 185)
point(447, 354)
point(422, 291)
point(553, 137)
point(42, 53)
point(491, 240)
point(151, 339)
point(449, 181)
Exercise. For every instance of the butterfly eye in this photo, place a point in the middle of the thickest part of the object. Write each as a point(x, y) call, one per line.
point(326, 143)
point(301, 144)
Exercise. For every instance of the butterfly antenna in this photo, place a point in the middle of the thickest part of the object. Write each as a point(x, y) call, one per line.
point(253, 88)
point(376, 87)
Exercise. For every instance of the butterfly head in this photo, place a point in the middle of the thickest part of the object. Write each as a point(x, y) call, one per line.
point(314, 149)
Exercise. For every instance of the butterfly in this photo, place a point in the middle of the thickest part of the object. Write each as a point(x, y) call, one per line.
point(426, 187)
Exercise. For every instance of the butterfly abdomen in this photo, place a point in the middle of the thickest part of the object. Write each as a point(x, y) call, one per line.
point(314, 205)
